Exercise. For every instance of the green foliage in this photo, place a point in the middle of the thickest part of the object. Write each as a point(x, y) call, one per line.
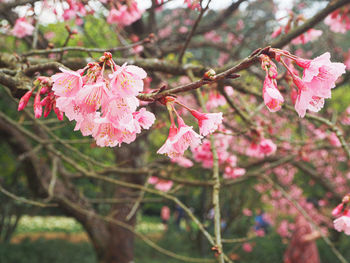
point(47, 251)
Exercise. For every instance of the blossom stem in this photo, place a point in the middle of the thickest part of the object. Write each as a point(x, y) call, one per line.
point(216, 185)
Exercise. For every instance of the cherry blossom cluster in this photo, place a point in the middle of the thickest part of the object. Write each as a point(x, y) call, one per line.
point(193, 4)
point(342, 212)
point(22, 28)
point(124, 15)
point(228, 161)
point(319, 77)
point(339, 20)
point(76, 10)
point(308, 36)
point(103, 105)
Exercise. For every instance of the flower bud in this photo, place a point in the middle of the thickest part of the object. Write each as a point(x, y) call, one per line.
point(24, 100)
point(210, 74)
point(337, 210)
point(37, 106)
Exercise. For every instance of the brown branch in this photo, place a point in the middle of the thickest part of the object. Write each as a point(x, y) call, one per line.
point(191, 33)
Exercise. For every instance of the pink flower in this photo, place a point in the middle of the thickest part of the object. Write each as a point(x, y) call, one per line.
point(339, 20)
point(22, 28)
point(92, 96)
point(308, 36)
point(342, 224)
point(338, 210)
point(125, 15)
point(179, 140)
point(127, 80)
point(271, 95)
point(247, 247)
point(160, 184)
point(267, 147)
point(247, 212)
point(145, 118)
point(319, 77)
point(67, 83)
point(215, 100)
point(193, 4)
point(334, 140)
point(182, 161)
point(233, 173)
point(208, 122)
point(277, 32)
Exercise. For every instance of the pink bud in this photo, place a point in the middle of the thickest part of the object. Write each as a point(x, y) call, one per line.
point(47, 110)
point(304, 63)
point(59, 113)
point(24, 100)
point(45, 101)
point(337, 211)
point(299, 83)
point(277, 32)
point(37, 106)
point(44, 90)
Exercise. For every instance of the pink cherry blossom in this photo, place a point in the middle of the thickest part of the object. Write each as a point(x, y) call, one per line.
point(92, 96)
point(342, 224)
point(338, 210)
point(145, 118)
point(247, 247)
point(67, 83)
point(319, 77)
point(179, 140)
point(339, 20)
point(193, 4)
point(127, 80)
point(215, 100)
point(334, 140)
point(308, 36)
point(160, 184)
point(208, 122)
point(271, 95)
point(233, 172)
point(125, 15)
point(182, 161)
point(264, 147)
point(22, 28)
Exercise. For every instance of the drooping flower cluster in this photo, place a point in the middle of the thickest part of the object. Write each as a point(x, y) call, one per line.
point(125, 15)
point(342, 212)
point(76, 10)
point(22, 28)
point(319, 77)
point(103, 106)
point(182, 136)
point(271, 95)
point(339, 20)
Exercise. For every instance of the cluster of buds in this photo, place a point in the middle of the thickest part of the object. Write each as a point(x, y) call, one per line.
point(43, 85)
point(342, 212)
